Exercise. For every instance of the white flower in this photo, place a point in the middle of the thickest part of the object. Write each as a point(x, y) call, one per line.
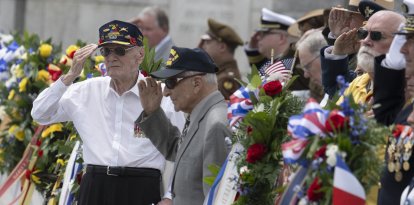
point(331, 160)
point(331, 150)
point(2, 112)
point(259, 108)
point(303, 201)
point(244, 169)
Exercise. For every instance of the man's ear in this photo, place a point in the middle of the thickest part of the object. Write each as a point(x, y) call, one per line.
point(197, 83)
point(140, 55)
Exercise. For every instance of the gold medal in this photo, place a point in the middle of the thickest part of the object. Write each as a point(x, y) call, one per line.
point(391, 166)
point(397, 166)
point(406, 166)
point(398, 176)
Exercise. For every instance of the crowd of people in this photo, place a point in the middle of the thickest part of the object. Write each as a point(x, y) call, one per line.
point(131, 125)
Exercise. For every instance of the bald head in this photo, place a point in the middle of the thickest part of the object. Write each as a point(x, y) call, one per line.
point(386, 23)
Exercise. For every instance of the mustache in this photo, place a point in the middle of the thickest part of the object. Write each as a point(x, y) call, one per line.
point(364, 50)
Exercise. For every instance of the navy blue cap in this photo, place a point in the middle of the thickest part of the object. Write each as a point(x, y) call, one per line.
point(368, 8)
point(120, 32)
point(186, 59)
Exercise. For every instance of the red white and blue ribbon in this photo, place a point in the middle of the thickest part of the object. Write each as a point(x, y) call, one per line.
point(347, 189)
point(239, 105)
point(300, 127)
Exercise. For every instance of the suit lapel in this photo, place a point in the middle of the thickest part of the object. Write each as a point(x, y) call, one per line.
point(194, 125)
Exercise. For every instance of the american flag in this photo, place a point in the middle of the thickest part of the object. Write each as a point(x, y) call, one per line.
point(283, 66)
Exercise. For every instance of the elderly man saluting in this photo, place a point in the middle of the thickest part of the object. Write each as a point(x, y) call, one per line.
point(122, 167)
point(191, 83)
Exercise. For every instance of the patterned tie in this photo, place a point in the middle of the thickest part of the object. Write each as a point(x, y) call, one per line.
point(184, 132)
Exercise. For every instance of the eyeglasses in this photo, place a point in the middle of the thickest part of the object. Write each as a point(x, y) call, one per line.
point(170, 83)
point(362, 33)
point(307, 65)
point(119, 51)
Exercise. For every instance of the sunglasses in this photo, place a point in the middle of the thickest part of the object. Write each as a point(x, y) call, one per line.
point(170, 83)
point(119, 51)
point(374, 35)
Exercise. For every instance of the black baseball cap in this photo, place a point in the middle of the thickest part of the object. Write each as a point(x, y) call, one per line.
point(186, 59)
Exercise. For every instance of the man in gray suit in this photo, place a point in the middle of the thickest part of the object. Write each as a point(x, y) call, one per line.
point(191, 83)
point(153, 22)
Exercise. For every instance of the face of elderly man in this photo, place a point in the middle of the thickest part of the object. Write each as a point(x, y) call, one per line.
point(380, 28)
point(311, 65)
point(408, 51)
point(151, 29)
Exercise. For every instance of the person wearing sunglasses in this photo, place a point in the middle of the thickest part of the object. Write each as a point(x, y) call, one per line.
point(191, 83)
point(122, 166)
point(341, 58)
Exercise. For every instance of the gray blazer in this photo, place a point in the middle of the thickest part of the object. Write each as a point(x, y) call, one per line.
point(163, 51)
point(203, 145)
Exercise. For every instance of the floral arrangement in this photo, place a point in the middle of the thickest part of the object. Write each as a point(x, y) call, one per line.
point(336, 149)
point(259, 115)
point(149, 65)
point(27, 66)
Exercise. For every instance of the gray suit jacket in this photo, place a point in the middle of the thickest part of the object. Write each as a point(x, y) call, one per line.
point(163, 52)
point(203, 145)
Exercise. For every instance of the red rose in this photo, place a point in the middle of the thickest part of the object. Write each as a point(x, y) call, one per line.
point(27, 174)
point(40, 153)
point(144, 73)
point(336, 121)
point(320, 153)
point(272, 88)
point(314, 192)
point(38, 143)
point(255, 152)
point(249, 130)
point(100, 41)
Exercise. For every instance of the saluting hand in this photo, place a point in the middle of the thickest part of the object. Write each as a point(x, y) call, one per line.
point(150, 94)
point(339, 21)
point(347, 43)
point(78, 61)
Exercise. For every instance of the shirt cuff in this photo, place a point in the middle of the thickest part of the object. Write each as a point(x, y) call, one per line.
point(330, 56)
point(331, 35)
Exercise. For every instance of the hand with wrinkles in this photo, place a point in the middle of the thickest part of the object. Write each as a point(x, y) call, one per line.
point(339, 21)
point(150, 94)
point(347, 43)
point(78, 61)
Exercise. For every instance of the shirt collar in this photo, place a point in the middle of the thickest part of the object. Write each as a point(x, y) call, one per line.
point(134, 89)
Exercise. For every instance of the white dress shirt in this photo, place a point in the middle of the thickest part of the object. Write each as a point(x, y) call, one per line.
point(104, 120)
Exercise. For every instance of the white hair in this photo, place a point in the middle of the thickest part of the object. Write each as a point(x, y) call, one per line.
point(313, 42)
point(210, 78)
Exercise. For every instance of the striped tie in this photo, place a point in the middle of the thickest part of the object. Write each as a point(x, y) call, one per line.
point(184, 132)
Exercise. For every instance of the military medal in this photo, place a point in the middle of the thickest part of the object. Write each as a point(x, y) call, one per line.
point(398, 176)
point(406, 166)
point(391, 166)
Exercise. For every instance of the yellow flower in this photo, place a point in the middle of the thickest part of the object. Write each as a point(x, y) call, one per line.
point(70, 51)
point(45, 50)
point(17, 132)
point(72, 137)
point(99, 59)
point(23, 84)
point(19, 73)
point(51, 129)
point(60, 161)
point(11, 95)
point(35, 178)
point(43, 76)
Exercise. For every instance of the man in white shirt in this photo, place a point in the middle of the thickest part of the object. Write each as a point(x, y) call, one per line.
point(122, 166)
point(154, 24)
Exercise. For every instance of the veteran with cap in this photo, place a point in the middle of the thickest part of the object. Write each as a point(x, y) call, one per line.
point(122, 167)
point(191, 83)
point(220, 42)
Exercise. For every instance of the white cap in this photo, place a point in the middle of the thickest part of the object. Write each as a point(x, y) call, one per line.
point(272, 20)
point(408, 7)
